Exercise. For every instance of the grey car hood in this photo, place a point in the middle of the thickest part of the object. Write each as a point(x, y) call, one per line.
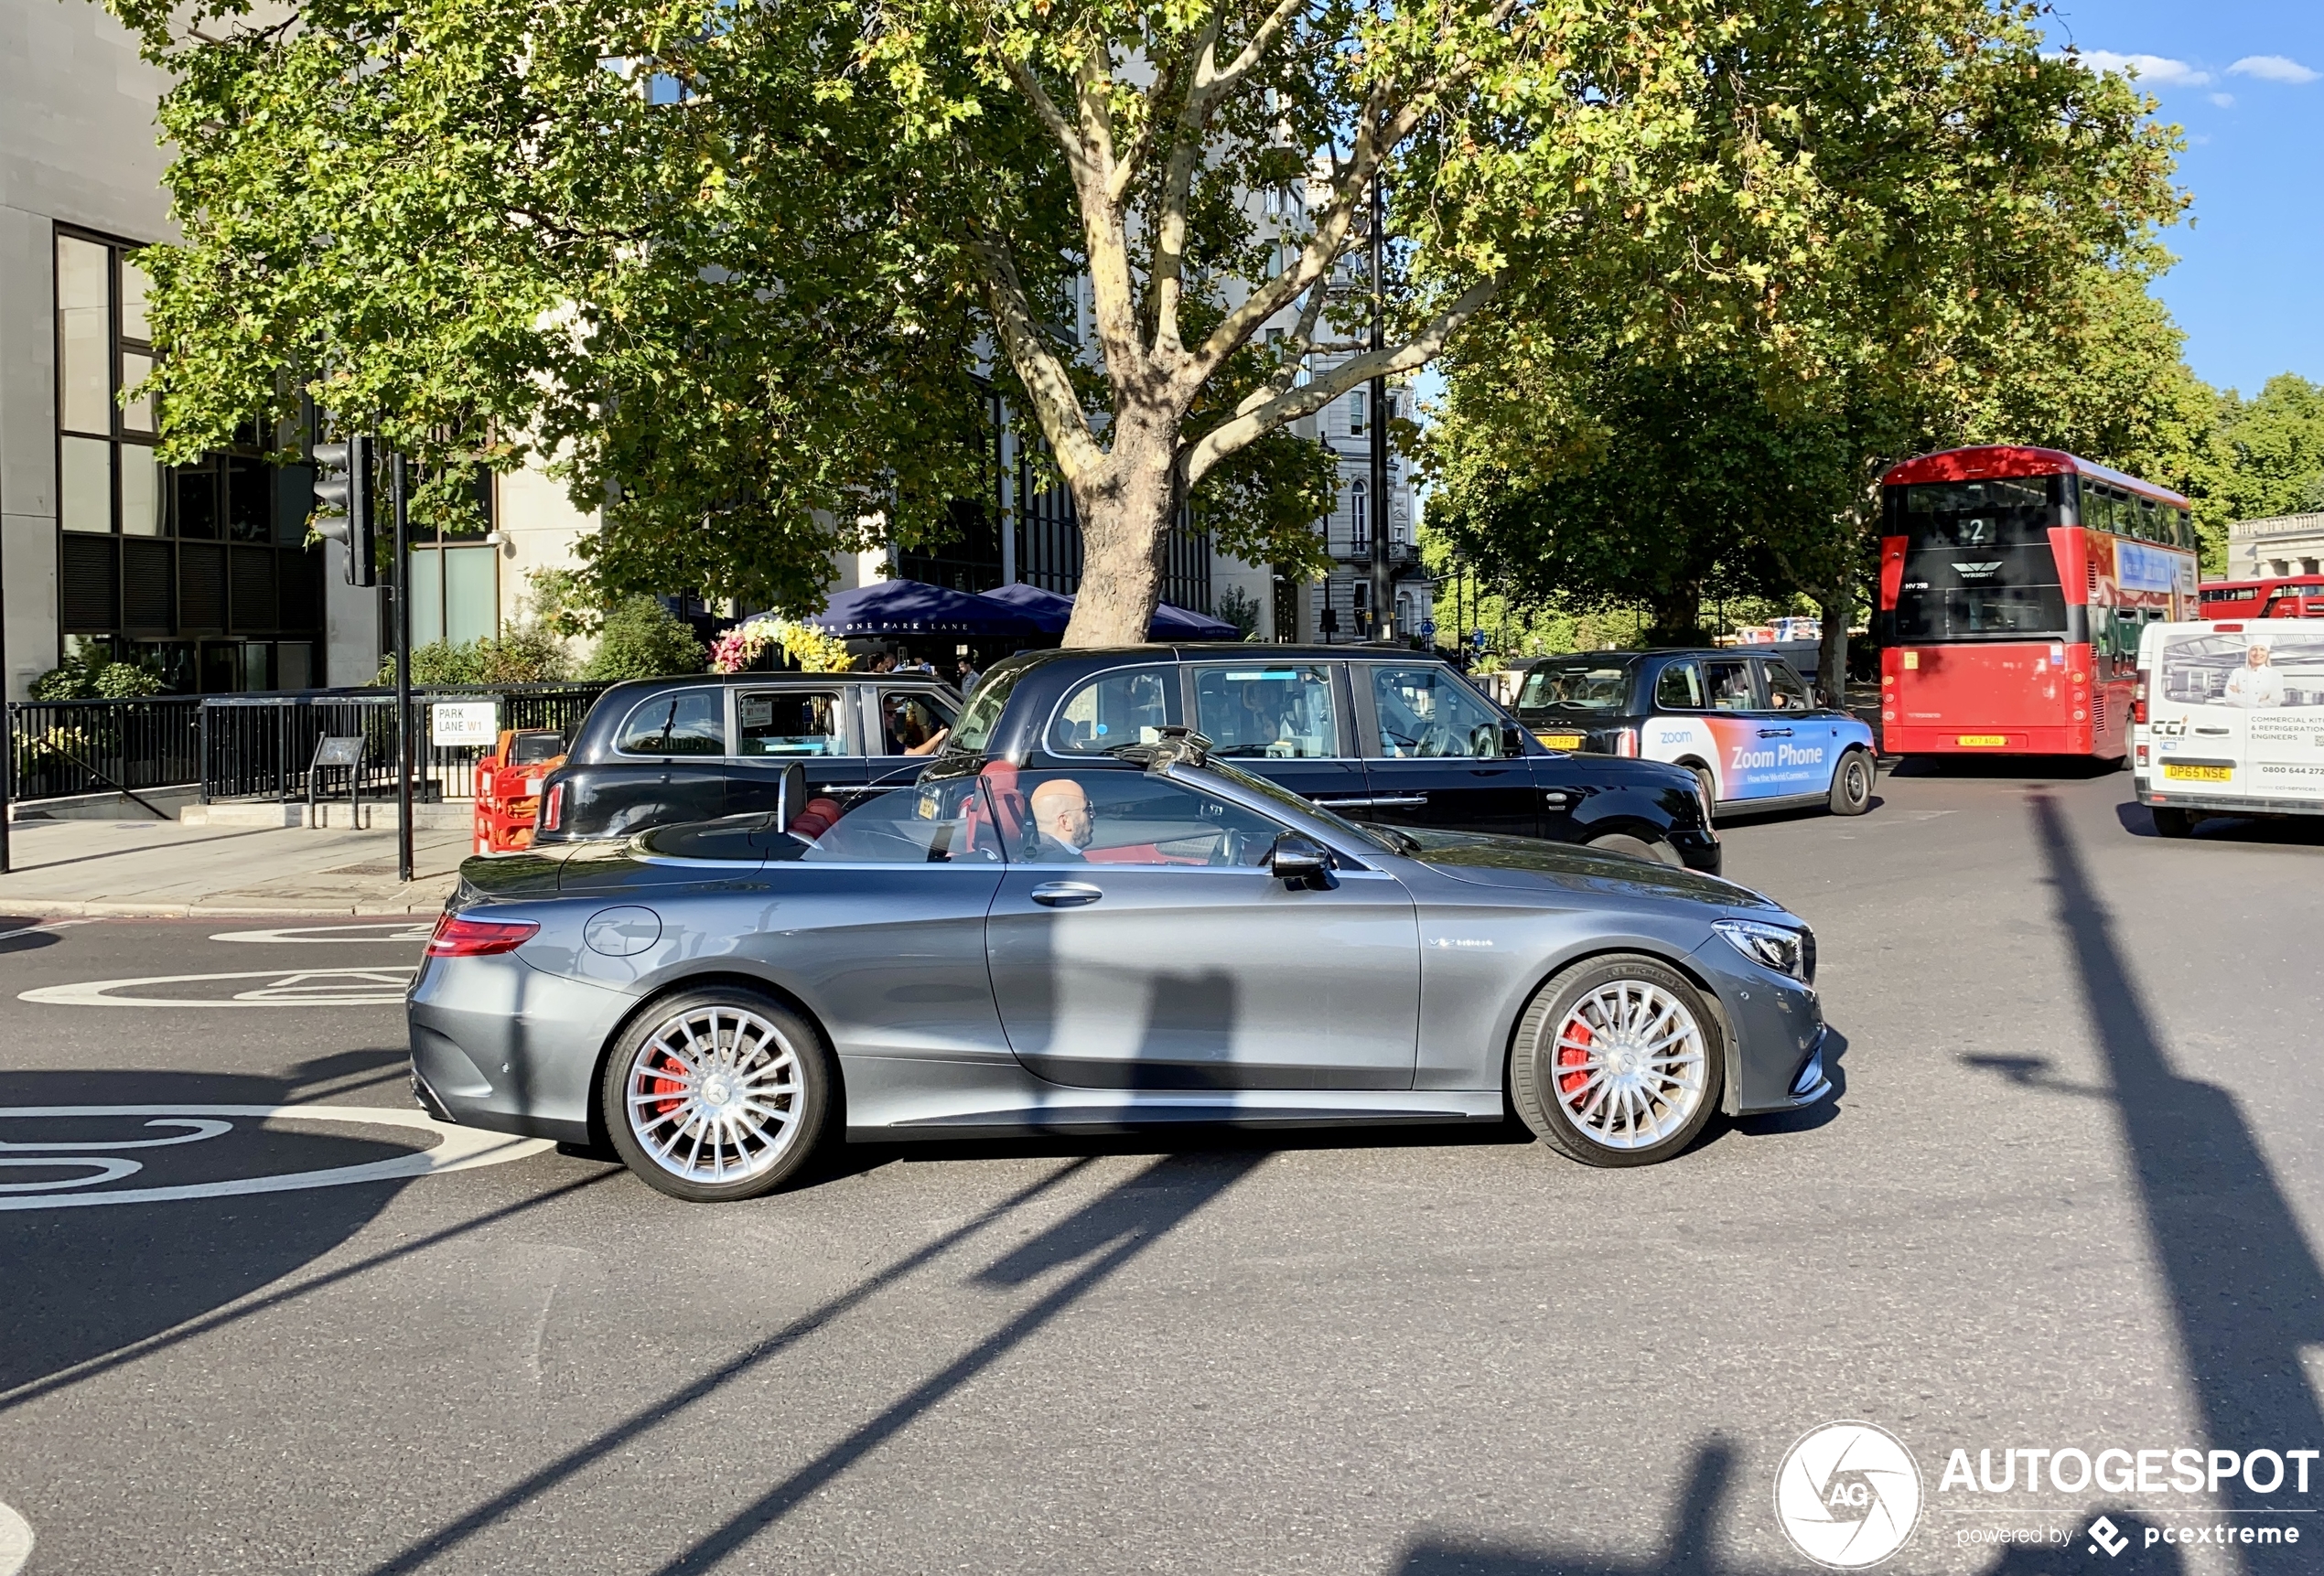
point(1484, 860)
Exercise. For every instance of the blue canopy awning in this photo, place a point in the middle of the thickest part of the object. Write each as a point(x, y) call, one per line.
point(1052, 609)
point(916, 608)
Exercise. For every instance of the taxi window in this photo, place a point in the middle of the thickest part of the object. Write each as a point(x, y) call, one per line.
point(679, 723)
point(1581, 685)
point(1271, 711)
point(1126, 706)
point(1785, 693)
point(788, 722)
point(1729, 685)
point(1680, 688)
point(912, 723)
point(1430, 711)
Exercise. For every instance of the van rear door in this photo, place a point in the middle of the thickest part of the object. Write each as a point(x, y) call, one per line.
point(2235, 714)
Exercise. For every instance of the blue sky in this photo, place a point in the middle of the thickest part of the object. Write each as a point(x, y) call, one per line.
point(2245, 77)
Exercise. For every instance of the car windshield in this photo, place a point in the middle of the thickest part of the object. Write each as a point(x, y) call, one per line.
point(977, 720)
point(1581, 685)
point(1386, 837)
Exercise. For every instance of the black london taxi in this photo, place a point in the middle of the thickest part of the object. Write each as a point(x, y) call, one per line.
point(654, 750)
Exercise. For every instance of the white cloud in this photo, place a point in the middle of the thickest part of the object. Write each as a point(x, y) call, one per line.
point(2153, 71)
point(2273, 69)
point(2224, 100)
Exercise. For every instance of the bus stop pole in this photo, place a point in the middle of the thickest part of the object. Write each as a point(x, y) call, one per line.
point(402, 605)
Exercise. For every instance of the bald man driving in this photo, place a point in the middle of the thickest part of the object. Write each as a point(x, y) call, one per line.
point(1062, 822)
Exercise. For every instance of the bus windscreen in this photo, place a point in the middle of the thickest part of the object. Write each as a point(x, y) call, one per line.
point(1977, 562)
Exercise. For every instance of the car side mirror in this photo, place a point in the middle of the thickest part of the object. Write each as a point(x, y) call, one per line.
point(1301, 863)
point(1512, 740)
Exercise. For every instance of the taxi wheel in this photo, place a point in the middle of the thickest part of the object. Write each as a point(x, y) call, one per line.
point(1618, 1061)
point(1710, 788)
point(2172, 822)
point(1852, 784)
point(1655, 853)
point(716, 1094)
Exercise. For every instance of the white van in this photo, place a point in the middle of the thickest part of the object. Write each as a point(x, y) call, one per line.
point(2228, 719)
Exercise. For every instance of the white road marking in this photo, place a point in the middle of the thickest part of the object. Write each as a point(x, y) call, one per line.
point(47, 927)
point(15, 1541)
point(105, 1171)
point(286, 988)
point(398, 930)
point(458, 1149)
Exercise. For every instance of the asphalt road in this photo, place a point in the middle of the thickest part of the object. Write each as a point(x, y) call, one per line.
point(2069, 1197)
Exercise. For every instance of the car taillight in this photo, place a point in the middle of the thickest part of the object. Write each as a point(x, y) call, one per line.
point(456, 937)
point(1626, 742)
point(550, 815)
point(2139, 700)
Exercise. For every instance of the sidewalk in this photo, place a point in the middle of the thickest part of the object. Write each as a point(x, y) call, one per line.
point(161, 868)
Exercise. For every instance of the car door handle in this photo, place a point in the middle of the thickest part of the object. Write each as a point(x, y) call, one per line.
point(2212, 733)
point(1555, 798)
point(1346, 803)
point(1400, 800)
point(1775, 732)
point(1065, 894)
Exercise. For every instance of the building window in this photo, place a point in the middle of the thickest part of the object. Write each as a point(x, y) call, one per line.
point(199, 572)
point(456, 577)
point(1355, 414)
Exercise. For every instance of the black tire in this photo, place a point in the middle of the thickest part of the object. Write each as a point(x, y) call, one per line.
point(1710, 790)
point(2172, 822)
point(1852, 782)
point(1539, 1061)
point(782, 1059)
point(1654, 851)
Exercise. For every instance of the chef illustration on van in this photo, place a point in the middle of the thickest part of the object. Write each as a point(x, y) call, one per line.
point(2258, 684)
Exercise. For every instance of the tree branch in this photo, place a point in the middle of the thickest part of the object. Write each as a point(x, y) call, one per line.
point(1249, 424)
point(1055, 403)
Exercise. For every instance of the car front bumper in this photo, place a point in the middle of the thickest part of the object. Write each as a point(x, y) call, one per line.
point(1778, 1037)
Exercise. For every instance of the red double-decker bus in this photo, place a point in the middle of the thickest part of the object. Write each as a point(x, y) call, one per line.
point(2014, 582)
point(2271, 596)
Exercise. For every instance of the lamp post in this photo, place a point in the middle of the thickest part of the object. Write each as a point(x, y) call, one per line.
point(1384, 628)
point(402, 605)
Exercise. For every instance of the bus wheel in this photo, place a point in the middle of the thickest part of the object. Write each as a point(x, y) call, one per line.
point(1852, 784)
point(2172, 822)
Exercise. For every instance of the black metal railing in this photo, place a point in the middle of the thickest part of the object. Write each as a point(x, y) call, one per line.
point(262, 746)
point(58, 748)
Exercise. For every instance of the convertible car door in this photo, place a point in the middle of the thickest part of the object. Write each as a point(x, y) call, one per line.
point(1159, 954)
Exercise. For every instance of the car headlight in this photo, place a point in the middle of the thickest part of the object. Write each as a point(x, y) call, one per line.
point(1776, 947)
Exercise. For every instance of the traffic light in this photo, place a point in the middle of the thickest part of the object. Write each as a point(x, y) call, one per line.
point(343, 504)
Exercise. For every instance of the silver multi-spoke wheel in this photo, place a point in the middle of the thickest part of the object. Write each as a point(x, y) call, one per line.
point(1629, 1064)
point(715, 1096)
point(1618, 1061)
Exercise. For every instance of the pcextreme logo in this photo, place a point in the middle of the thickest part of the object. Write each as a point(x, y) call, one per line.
point(1847, 1495)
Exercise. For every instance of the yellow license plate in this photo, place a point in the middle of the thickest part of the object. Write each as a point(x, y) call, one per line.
point(1982, 741)
point(1562, 741)
point(2186, 773)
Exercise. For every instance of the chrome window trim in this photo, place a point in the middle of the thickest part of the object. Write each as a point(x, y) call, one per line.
point(726, 706)
point(1041, 741)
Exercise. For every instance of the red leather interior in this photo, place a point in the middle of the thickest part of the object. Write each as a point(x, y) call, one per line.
point(814, 818)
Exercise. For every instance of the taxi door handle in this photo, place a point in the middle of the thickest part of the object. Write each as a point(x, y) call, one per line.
point(1775, 732)
point(1065, 894)
point(1400, 800)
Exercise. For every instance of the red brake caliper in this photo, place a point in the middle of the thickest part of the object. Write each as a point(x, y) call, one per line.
point(1573, 1051)
point(665, 1087)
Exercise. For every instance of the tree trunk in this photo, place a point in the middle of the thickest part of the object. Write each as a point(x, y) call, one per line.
point(1125, 505)
point(1678, 616)
point(1838, 608)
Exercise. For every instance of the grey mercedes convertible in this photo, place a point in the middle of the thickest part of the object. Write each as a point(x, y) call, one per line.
point(1152, 937)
